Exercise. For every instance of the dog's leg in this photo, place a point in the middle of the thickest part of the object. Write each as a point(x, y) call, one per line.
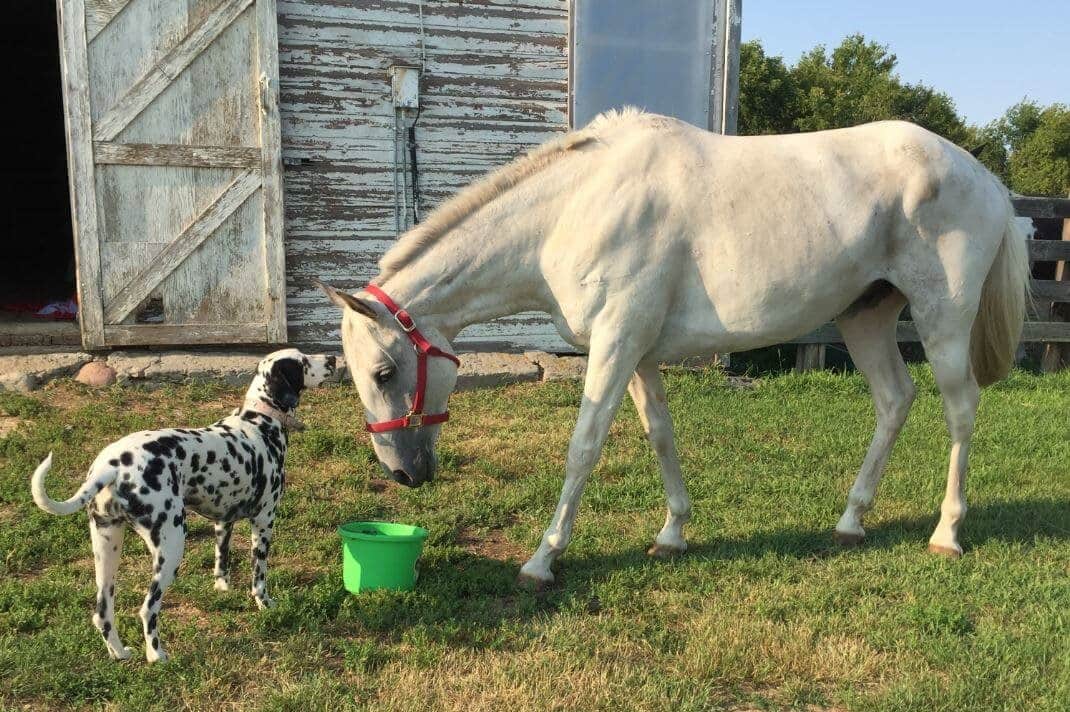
point(222, 555)
point(262, 527)
point(165, 539)
point(107, 538)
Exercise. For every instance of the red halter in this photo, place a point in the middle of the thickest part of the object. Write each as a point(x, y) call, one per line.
point(416, 417)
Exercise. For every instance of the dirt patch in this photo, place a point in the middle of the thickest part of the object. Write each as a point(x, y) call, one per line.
point(492, 544)
point(7, 513)
point(9, 424)
point(186, 612)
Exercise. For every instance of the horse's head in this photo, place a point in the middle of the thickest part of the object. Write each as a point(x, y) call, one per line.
point(383, 359)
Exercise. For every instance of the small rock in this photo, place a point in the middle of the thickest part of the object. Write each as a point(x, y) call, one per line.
point(26, 372)
point(96, 374)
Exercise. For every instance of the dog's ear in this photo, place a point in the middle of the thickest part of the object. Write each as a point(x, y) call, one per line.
point(345, 301)
point(285, 381)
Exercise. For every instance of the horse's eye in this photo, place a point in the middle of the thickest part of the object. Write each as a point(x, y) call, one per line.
point(385, 375)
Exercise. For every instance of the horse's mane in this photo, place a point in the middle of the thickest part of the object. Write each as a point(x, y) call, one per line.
point(455, 210)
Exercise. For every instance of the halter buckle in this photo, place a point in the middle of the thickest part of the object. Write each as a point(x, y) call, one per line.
point(414, 420)
point(407, 328)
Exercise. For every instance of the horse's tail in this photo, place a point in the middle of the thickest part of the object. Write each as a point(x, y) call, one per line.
point(86, 492)
point(997, 328)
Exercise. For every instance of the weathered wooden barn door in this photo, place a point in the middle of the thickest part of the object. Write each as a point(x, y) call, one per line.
point(174, 156)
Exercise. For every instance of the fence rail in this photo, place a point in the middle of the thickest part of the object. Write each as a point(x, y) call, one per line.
point(1056, 333)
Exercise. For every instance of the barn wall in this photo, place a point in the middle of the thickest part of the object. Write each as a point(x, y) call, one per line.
point(494, 85)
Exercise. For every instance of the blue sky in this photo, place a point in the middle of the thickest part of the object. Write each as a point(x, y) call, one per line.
point(986, 54)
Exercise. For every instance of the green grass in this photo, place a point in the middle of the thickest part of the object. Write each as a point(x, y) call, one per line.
point(762, 613)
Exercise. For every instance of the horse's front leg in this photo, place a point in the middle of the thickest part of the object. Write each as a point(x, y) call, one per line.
point(609, 368)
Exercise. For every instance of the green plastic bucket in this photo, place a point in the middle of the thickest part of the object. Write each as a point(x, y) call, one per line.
point(380, 555)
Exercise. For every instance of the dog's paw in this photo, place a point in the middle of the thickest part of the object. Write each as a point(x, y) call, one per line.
point(263, 602)
point(156, 655)
point(122, 653)
point(221, 585)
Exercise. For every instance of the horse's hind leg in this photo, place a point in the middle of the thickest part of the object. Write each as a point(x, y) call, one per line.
point(869, 333)
point(648, 393)
point(947, 346)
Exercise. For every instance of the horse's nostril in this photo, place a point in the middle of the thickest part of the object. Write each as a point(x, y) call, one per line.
point(403, 478)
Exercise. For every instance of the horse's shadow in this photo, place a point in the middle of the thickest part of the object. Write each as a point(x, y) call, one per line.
point(478, 593)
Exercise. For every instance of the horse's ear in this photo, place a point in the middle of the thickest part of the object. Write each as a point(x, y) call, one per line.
point(346, 301)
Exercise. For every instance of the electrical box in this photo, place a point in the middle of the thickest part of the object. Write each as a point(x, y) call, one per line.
point(406, 86)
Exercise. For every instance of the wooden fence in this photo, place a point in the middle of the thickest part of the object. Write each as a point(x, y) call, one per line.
point(1051, 296)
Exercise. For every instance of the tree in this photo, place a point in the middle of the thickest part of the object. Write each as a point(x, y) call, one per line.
point(767, 92)
point(854, 84)
point(1039, 162)
point(1028, 148)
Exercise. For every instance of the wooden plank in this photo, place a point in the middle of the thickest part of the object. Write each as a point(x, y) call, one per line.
point(494, 85)
point(239, 190)
point(1057, 356)
point(74, 67)
point(1049, 250)
point(1032, 331)
point(164, 334)
point(161, 154)
point(1046, 331)
point(173, 63)
point(222, 281)
point(810, 357)
point(1051, 290)
point(99, 14)
point(271, 170)
point(1041, 207)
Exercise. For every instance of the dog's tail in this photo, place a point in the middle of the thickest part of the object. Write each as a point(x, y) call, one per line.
point(85, 493)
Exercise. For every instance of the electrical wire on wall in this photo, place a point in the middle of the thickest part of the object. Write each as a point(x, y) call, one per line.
point(406, 115)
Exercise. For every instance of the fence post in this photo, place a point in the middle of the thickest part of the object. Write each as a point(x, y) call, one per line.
point(809, 357)
point(1057, 356)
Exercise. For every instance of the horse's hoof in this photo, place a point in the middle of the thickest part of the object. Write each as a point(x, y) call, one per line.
point(533, 583)
point(665, 551)
point(848, 539)
point(946, 551)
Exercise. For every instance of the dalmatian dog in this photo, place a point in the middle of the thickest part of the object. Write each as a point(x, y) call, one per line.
point(228, 471)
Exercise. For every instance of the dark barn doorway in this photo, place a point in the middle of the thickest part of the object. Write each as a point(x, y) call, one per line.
point(37, 270)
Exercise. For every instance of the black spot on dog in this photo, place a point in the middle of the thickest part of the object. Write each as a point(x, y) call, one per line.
point(113, 462)
point(195, 462)
point(127, 459)
point(210, 457)
point(152, 473)
point(180, 452)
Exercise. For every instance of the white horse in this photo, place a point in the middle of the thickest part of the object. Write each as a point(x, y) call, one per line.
point(648, 240)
